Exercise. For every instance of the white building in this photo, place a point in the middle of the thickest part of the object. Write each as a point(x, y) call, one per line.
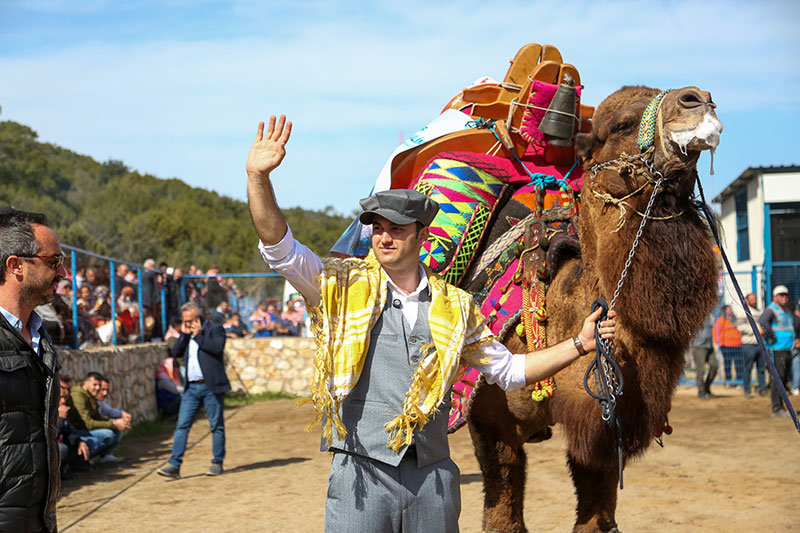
point(760, 217)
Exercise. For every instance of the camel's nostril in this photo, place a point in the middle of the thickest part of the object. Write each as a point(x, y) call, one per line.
point(690, 99)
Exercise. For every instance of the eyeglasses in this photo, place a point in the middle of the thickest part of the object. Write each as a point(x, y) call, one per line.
point(53, 261)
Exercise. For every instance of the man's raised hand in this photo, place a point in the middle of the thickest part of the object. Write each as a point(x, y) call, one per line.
point(268, 150)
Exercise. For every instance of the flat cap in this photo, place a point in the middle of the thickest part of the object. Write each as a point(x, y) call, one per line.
point(400, 206)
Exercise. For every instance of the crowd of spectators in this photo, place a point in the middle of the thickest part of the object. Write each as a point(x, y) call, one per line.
point(211, 291)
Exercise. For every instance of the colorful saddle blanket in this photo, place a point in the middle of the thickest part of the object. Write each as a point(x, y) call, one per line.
point(467, 190)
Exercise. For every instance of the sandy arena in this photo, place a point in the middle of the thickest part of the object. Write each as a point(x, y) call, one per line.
point(729, 466)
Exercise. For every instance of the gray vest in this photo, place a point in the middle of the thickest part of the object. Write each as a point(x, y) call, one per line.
point(392, 359)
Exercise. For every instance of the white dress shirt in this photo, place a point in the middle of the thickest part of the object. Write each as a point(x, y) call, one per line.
point(193, 371)
point(301, 267)
point(34, 323)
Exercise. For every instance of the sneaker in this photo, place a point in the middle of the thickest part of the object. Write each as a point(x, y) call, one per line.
point(170, 471)
point(764, 392)
point(780, 413)
point(795, 392)
point(110, 458)
point(215, 470)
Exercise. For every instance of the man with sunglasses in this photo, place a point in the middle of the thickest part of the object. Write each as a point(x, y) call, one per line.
point(31, 265)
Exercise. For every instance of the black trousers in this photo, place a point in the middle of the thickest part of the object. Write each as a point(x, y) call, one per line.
point(783, 364)
point(701, 357)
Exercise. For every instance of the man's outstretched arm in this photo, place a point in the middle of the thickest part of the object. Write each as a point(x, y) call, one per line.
point(266, 154)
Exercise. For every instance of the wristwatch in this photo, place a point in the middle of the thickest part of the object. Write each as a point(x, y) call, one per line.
point(579, 346)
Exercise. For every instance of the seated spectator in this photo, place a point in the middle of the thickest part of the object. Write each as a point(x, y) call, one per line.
point(100, 434)
point(91, 278)
point(230, 284)
point(292, 319)
point(131, 278)
point(64, 291)
point(263, 319)
point(168, 387)
point(234, 327)
point(174, 330)
point(221, 313)
point(53, 322)
point(128, 313)
point(74, 451)
point(127, 300)
point(80, 276)
point(85, 299)
point(102, 306)
point(121, 277)
point(106, 410)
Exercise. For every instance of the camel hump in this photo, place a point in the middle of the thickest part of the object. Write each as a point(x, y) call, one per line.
point(562, 247)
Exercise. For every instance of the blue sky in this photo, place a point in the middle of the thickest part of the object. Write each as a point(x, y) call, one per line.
point(176, 88)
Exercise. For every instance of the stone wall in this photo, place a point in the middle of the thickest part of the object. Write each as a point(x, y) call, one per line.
point(131, 371)
point(271, 364)
point(281, 364)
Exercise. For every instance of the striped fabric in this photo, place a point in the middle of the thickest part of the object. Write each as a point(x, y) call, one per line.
point(353, 293)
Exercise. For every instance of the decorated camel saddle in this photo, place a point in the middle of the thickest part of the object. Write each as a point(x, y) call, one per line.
point(500, 160)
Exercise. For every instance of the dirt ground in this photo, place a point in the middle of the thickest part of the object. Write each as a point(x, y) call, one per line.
point(727, 467)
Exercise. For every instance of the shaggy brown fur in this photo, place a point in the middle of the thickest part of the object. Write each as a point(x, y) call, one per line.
point(670, 289)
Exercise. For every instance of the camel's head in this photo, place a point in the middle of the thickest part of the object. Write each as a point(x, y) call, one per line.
point(682, 124)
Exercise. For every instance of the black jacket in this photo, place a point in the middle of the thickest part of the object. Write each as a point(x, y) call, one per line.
point(29, 455)
point(150, 293)
point(211, 355)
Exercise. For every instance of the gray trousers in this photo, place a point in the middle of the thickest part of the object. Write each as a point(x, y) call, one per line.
point(369, 496)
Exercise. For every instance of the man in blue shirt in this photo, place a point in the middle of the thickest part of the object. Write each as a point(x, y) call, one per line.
point(31, 266)
point(778, 326)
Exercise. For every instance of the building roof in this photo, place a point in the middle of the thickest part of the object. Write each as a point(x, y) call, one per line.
point(750, 173)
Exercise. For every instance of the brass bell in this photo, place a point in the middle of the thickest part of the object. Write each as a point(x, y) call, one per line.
point(559, 121)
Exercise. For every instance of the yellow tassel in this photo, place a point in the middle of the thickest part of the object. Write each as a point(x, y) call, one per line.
point(302, 401)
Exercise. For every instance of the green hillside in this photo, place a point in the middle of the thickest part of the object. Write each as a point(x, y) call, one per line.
point(109, 209)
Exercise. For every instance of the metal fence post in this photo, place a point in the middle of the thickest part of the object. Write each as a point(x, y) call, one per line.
point(73, 266)
point(141, 308)
point(113, 285)
point(163, 309)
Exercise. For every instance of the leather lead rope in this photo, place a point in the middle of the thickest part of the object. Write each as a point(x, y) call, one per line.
point(608, 381)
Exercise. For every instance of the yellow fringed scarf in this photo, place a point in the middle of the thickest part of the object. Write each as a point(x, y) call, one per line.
point(353, 294)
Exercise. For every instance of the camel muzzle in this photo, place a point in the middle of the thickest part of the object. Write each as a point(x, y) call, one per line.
point(702, 136)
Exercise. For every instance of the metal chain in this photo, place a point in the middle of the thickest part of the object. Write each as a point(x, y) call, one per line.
point(636, 242)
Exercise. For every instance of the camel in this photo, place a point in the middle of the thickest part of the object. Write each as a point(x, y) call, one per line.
point(670, 288)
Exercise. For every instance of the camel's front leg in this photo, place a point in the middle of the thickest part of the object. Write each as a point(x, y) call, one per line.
point(499, 450)
point(596, 489)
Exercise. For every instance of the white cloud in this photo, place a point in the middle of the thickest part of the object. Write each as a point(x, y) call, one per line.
point(188, 106)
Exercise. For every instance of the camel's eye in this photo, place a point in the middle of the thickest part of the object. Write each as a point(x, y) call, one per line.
point(625, 125)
